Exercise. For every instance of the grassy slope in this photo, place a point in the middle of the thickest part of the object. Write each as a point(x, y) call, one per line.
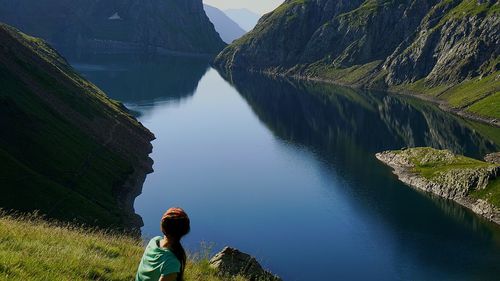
point(431, 162)
point(480, 96)
point(32, 249)
point(46, 162)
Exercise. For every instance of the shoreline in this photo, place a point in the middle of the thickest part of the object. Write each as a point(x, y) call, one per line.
point(443, 105)
point(404, 171)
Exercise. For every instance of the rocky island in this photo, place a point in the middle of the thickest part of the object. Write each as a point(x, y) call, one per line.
point(472, 183)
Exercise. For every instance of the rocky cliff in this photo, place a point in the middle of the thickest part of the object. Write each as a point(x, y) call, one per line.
point(116, 25)
point(446, 49)
point(66, 149)
point(472, 183)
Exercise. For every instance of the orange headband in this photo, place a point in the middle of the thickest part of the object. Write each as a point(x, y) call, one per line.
point(174, 213)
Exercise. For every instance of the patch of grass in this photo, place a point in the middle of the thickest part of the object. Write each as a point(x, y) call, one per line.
point(34, 249)
point(472, 8)
point(433, 164)
point(480, 95)
point(491, 193)
point(351, 75)
point(430, 162)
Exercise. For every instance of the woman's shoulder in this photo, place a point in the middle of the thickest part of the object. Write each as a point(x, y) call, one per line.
point(155, 241)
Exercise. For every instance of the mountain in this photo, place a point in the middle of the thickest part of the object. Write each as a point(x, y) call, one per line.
point(226, 27)
point(116, 25)
point(446, 50)
point(244, 17)
point(66, 149)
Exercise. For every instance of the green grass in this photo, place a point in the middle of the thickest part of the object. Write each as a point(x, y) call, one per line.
point(432, 163)
point(33, 249)
point(480, 96)
point(429, 162)
point(490, 194)
point(351, 76)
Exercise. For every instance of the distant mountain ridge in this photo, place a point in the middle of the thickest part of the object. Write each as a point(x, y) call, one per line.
point(225, 26)
point(244, 17)
point(127, 25)
point(448, 50)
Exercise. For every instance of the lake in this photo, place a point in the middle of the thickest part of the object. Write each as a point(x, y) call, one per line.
point(285, 171)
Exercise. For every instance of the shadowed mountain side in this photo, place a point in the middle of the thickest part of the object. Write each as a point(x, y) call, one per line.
point(225, 26)
point(343, 128)
point(66, 149)
point(141, 79)
point(116, 25)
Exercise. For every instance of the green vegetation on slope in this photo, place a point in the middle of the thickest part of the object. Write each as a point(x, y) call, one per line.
point(374, 44)
point(480, 96)
point(435, 164)
point(60, 151)
point(33, 249)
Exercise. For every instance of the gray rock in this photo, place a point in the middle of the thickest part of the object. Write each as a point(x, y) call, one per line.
point(493, 158)
point(233, 262)
point(454, 184)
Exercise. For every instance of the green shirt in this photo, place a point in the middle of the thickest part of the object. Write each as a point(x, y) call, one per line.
point(157, 262)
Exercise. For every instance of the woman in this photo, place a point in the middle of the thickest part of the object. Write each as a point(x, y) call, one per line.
point(164, 258)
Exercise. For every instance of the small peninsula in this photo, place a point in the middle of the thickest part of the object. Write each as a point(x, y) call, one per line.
point(472, 183)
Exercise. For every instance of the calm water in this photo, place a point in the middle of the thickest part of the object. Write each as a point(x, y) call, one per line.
point(286, 171)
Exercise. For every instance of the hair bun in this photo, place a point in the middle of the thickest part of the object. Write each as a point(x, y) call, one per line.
point(175, 213)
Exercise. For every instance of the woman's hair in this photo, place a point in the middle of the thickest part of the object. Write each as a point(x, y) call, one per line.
point(175, 224)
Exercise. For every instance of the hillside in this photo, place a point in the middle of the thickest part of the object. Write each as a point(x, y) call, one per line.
point(66, 149)
point(33, 249)
point(116, 25)
point(447, 50)
point(225, 26)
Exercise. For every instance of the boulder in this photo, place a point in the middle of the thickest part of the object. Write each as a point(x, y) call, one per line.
point(232, 262)
point(493, 158)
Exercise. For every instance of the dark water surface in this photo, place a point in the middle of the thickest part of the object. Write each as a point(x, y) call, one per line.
point(286, 171)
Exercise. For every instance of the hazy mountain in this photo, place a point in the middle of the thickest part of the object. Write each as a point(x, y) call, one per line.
point(225, 26)
point(446, 49)
point(123, 25)
point(244, 17)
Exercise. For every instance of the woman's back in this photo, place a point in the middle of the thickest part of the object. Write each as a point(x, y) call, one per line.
point(157, 262)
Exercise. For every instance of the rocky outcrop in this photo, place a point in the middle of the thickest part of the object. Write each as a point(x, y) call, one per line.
point(418, 46)
point(232, 262)
point(67, 149)
point(179, 26)
point(447, 175)
point(493, 158)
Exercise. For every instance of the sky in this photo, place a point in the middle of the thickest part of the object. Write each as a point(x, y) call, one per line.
point(259, 6)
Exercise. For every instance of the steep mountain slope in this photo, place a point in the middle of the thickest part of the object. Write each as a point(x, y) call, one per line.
point(446, 49)
point(65, 148)
point(244, 17)
point(226, 27)
point(171, 25)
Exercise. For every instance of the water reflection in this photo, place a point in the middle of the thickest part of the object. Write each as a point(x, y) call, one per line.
point(344, 128)
point(323, 115)
point(142, 78)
